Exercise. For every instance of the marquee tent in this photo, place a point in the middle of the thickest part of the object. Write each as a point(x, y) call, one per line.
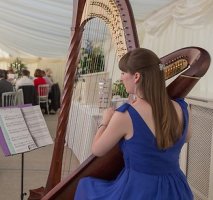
point(39, 31)
point(41, 28)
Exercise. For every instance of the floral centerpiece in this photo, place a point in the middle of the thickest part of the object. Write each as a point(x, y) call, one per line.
point(91, 59)
point(18, 66)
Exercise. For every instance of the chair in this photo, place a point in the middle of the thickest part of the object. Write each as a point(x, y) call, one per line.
point(54, 97)
point(19, 97)
point(30, 94)
point(8, 99)
point(43, 92)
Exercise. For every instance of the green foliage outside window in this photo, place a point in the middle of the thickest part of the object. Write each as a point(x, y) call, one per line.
point(118, 88)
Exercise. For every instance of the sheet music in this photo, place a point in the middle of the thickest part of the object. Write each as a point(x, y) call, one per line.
point(37, 125)
point(15, 131)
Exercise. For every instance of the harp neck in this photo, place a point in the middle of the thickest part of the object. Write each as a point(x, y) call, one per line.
point(119, 17)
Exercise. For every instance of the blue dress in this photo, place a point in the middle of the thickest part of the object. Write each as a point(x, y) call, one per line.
point(149, 173)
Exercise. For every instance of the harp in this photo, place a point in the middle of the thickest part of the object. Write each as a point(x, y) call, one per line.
point(117, 14)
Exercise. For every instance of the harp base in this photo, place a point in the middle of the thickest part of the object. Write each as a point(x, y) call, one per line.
point(36, 194)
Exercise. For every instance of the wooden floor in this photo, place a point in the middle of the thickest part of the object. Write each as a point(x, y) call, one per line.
point(36, 167)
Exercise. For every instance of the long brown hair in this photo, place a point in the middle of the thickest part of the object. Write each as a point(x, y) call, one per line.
point(167, 125)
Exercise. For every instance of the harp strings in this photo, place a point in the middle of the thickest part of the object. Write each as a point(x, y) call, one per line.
point(68, 156)
point(77, 122)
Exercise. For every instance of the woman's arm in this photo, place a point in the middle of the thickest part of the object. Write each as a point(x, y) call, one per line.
point(112, 129)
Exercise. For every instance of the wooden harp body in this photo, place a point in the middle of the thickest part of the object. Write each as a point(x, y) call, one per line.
point(194, 61)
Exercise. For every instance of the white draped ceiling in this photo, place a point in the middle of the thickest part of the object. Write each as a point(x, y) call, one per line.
point(41, 28)
point(35, 28)
point(181, 24)
point(193, 14)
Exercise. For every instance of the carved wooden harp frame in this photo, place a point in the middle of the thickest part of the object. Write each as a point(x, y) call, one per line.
point(118, 15)
point(121, 12)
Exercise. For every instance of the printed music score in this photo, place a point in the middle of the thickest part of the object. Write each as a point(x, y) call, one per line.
point(22, 130)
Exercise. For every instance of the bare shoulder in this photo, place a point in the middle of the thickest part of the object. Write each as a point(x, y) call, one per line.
point(121, 122)
point(120, 117)
point(177, 108)
point(180, 116)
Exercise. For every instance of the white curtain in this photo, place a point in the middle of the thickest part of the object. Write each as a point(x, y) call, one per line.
point(181, 24)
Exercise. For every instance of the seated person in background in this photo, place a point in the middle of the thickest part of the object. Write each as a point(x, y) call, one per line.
point(38, 80)
point(54, 97)
point(24, 80)
point(11, 76)
point(5, 73)
point(48, 80)
point(5, 86)
point(49, 72)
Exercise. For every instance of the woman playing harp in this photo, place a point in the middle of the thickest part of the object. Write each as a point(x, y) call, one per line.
point(119, 18)
point(150, 131)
